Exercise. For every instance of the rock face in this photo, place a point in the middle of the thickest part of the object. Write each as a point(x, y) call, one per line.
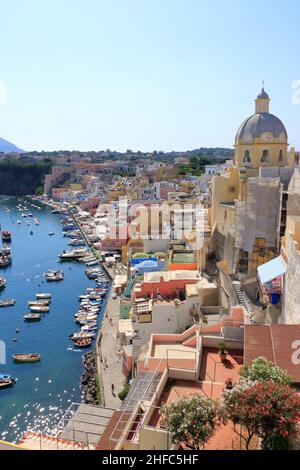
point(88, 379)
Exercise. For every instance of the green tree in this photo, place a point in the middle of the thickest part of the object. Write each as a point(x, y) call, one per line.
point(192, 420)
point(263, 370)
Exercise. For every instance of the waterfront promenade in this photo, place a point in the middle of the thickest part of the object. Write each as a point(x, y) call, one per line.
point(111, 364)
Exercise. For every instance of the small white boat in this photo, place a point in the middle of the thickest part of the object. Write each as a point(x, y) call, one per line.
point(7, 303)
point(54, 275)
point(43, 296)
point(39, 303)
point(37, 309)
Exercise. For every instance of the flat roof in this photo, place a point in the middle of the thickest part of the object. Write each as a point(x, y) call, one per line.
point(275, 342)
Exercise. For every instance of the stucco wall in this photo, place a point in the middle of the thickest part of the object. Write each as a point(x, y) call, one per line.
point(291, 298)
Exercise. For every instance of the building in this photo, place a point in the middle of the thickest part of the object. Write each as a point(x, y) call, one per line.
point(247, 210)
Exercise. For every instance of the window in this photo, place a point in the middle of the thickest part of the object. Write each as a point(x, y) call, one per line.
point(265, 156)
point(247, 158)
point(261, 252)
point(280, 159)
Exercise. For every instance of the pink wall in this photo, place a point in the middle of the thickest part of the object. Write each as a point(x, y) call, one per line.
point(165, 289)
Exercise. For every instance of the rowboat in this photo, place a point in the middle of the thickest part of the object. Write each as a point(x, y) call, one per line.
point(43, 296)
point(37, 309)
point(26, 358)
point(38, 303)
point(7, 303)
point(83, 343)
point(30, 317)
point(6, 381)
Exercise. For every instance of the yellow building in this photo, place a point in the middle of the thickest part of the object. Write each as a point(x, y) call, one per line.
point(246, 206)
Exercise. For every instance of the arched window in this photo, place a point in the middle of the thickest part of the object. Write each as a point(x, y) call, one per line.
point(265, 156)
point(280, 158)
point(247, 158)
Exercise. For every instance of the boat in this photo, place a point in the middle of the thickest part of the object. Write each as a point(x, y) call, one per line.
point(31, 317)
point(7, 303)
point(39, 303)
point(19, 222)
point(36, 221)
point(82, 335)
point(39, 309)
point(43, 296)
point(26, 358)
point(54, 275)
point(6, 381)
point(51, 234)
point(73, 254)
point(2, 282)
point(92, 263)
point(6, 236)
point(83, 343)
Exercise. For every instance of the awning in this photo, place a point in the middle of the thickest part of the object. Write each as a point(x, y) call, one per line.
point(272, 269)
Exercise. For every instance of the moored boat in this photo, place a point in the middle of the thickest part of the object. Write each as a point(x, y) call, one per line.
point(6, 381)
point(2, 282)
point(39, 309)
point(39, 303)
point(83, 343)
point(7, 303)
point(73, 254)
point(6, 236)
point(26, 358)
point(31, 317)
point(42, 295)
point(54, 275)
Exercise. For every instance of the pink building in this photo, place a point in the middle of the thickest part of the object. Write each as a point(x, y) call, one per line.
point(169, 284)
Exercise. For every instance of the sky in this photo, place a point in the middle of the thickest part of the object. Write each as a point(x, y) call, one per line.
point(144, 74)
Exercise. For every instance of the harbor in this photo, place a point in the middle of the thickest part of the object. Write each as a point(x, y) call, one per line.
point(60, 330)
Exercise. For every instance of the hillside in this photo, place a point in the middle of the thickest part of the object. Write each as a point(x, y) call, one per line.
point(20, 178)
point(8, 147)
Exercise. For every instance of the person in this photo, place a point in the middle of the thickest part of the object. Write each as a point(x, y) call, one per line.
point(112, 388)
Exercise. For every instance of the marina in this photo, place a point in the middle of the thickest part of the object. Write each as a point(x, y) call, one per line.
point(43, 390)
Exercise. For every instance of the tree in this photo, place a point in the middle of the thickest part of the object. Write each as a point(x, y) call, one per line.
point(267, 409)
point(191, 420)
point(261, 369)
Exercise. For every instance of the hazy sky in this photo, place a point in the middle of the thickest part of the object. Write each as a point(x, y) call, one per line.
point(143, 74)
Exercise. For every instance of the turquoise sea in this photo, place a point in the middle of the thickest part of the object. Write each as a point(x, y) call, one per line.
point(44, 390)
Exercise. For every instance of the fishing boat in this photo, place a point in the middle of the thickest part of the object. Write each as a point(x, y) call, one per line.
point(6, 381)
point(7, 303)
point(54, 275)
point(31, 317)
point(82, 335)
point(26, 358)
point(39, 303)
point(2, 282)
point(83, 343)
point(39, 309)
point(73, 254)
point(6, 236)
point(42, 295)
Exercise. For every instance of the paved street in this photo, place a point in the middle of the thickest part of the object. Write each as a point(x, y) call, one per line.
point(111, 365)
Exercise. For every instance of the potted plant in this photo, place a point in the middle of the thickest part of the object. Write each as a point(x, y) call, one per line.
point(222, 351)
point(229, 384)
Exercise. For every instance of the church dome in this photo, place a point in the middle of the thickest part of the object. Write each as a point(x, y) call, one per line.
point(259, 123)
point(263, 95)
